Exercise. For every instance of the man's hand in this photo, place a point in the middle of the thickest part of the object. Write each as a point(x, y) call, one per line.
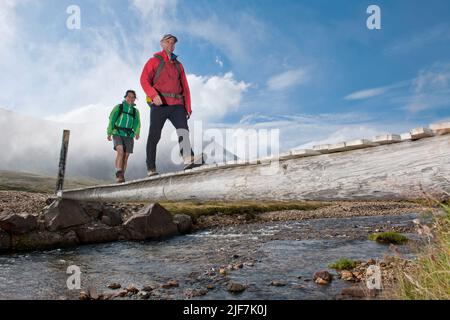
point(188, 115)
point(109, 138)
point(157, 100)
point(137, 137)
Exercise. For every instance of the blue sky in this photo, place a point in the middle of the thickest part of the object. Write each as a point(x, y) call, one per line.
point(311, 68)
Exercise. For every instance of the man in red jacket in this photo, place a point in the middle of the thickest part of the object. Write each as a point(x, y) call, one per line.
point(164, 81)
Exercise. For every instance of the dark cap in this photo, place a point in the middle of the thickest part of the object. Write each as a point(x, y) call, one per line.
point(168, 36)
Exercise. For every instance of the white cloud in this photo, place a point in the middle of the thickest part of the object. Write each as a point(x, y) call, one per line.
point(219, 62)
point(89, 114)
point(375, 92)
point(288, 79)
point(368, 93)
point(215, 96)
point(233, 38)
point(430, 89)
point(422, 40)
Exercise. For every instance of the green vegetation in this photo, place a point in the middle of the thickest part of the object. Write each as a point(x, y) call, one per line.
point(30, 182)
point(388, 237)
point(249, 208)
point(343, 264)
point(429, 278)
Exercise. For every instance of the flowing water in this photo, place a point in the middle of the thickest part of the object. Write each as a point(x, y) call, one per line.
point(288, 251)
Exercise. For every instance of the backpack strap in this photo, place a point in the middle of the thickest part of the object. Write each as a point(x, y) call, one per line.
point(160, 67)
point(158, 73)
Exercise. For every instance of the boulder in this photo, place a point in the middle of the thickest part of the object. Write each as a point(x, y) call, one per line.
point(152, 222)
point(111, 217)
point(322, 277)
point(98, 234)
point(183, 222)
point(5, 241)
point(38, 240)
point(18, 223)
point(346, 275)
point(64, 213)
point(93, 209)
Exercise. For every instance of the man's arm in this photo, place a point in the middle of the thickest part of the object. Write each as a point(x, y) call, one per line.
point(186, 92)
point(146, 77)
point(112, 120)
point(137, 125)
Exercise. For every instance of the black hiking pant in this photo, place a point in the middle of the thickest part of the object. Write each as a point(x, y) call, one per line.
point(158, 116)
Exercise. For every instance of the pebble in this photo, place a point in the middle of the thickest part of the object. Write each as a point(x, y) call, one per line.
point(236, 287)
point(276, 283)
point(114, 286)
point(170, 284)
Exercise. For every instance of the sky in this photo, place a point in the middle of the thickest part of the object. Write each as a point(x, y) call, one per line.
point(311, 69)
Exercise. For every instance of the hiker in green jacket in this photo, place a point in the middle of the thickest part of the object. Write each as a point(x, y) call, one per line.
point(124, 125)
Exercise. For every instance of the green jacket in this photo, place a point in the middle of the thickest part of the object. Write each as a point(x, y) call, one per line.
point(124, 121)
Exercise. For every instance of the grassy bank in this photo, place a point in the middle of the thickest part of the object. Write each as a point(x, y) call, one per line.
point(30, 182)
point(429, 277)
point(249, 208)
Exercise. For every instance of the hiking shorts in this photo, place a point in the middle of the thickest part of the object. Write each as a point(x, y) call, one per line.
point(126, 142)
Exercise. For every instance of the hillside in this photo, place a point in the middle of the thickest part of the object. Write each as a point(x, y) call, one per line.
point(31, 182)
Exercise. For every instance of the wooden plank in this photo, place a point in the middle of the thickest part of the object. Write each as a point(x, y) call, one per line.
point(304, 153)
point(360, 144)
point(440, 128)
point(405, 136)
point(322, 148)
point(337, 147)
point(420, 133)
point(387, 139)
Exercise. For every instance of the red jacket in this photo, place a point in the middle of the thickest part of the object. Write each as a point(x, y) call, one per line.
point(168, 82)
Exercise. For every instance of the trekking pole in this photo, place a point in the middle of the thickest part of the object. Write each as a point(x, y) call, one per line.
point(62, 162)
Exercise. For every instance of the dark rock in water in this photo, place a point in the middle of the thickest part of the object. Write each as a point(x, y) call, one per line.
point(44, 240)
point(18, 223)
point(170, 284)
point(112, 217)
point(63, 214)
point(322, 277)
point(84, 296)
point(148, 288)
point(98, 234)
point(236, 287)
point(183, 222)
point(276, 283)
point(132, 289)
point(5, 240)
point(152, 222)
point(195, 293)
point(355, 292)
point(114, 286)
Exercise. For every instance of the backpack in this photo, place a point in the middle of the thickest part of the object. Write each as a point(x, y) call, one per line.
point(128, 131)
point(161, 65)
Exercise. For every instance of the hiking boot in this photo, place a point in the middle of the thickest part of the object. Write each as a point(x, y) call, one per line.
point(120, 178)
point(151, 172)
point(194, 161)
